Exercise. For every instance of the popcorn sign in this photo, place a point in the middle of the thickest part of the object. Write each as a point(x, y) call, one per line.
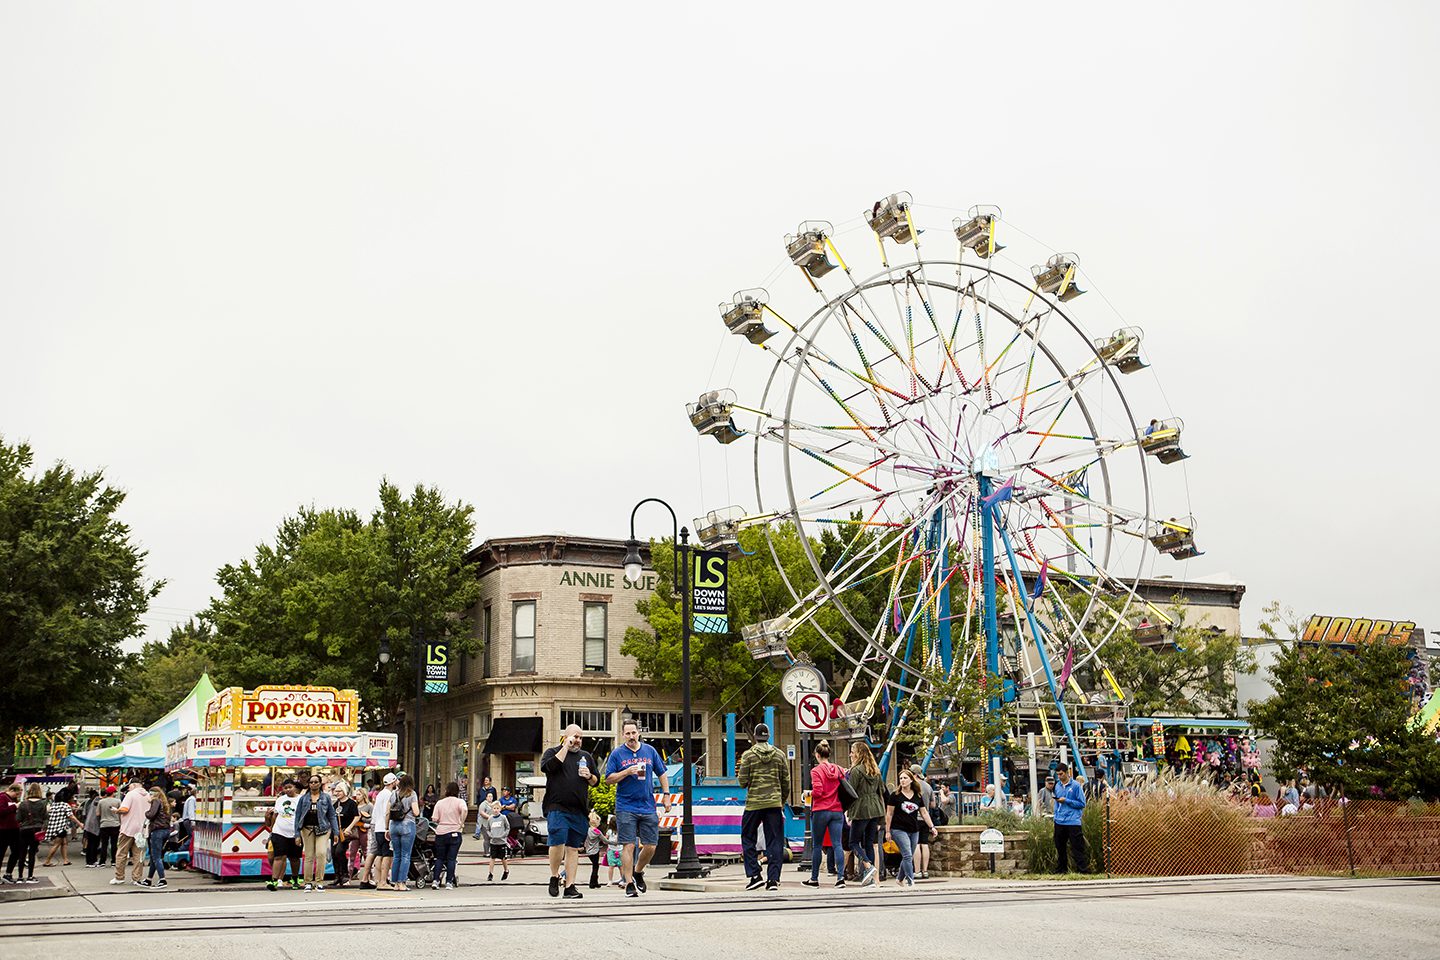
point(285, 708)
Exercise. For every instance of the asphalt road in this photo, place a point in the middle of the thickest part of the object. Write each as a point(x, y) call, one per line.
point(1269, 917)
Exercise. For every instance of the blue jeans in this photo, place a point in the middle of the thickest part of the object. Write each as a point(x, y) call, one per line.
point(864, 834)
point(820, 821)
point(447, 851)
point(402, 841)
point(773, 819)
point(907, 841)
point(157, 852)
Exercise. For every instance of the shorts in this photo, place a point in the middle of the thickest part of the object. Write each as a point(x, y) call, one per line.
point(644, 825)
point(287, 847)
point(382, 845)
point(499, 851)
point(566, 828)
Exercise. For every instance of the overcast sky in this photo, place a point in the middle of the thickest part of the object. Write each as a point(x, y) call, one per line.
point(254, 256)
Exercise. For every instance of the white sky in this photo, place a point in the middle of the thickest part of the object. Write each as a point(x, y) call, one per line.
point(260, 255)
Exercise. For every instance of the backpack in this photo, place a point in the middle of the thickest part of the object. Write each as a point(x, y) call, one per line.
point(398, 808)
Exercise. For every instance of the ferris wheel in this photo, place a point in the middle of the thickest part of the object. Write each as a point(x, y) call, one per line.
point(944, 412)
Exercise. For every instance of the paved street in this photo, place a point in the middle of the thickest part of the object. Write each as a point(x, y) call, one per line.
point(1271, 917)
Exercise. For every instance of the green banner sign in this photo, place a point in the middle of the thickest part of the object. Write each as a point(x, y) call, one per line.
point(709, 592)
point(437, 666)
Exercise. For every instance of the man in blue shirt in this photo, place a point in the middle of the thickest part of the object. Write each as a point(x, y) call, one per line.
point(1069, 805)
point(630, 767)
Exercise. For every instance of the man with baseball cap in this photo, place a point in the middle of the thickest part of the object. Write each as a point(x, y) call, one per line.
point(379, 855)
point(765, 774)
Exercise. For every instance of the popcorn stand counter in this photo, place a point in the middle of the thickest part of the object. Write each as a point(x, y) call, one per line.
point(253, 741)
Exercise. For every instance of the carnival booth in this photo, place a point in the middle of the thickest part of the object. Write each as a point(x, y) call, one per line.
point(253, 741)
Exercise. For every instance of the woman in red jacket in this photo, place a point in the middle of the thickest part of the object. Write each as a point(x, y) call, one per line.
point(826, 812)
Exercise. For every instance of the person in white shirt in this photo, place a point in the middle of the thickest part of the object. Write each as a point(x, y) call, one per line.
point(134, 810)
point(284, 848)
point(380, 830)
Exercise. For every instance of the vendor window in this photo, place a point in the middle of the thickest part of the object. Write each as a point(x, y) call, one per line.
point(522, 659)
point(595, 636)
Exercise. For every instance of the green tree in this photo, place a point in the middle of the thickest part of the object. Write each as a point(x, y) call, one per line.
point(72, 589)
point(722, 669)
point(1192, 671)
point(164, 673)
point(314, 606)
point(1344, 715)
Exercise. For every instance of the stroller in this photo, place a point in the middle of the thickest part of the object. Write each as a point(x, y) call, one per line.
point(177, 845)
point(422, 855)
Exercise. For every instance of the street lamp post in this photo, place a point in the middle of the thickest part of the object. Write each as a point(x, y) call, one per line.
point(416, 645)
point(689, 865)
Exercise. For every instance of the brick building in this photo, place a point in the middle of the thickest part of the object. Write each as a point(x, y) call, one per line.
point(552, 614)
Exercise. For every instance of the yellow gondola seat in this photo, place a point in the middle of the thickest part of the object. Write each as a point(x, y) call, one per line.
point(720, 529)
point(744, 315)
point(1122, 349)
point(767, 640)
point(978, 232)
point(711, 415)
point(1057, 276)
point(890, 218)
point(806, 247)
point(1161, 440)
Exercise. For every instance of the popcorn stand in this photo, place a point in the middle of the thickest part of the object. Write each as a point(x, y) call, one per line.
point(253, 741)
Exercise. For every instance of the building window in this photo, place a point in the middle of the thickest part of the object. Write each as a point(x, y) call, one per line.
point(522, 659)
point(487, 661)
point(464, 659)
point(596, 617)
point(597, 726)
point(650, 722)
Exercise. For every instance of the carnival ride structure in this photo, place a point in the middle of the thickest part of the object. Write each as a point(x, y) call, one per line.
point(980, 455)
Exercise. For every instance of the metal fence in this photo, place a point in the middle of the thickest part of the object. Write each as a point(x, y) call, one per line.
point(1189, 836)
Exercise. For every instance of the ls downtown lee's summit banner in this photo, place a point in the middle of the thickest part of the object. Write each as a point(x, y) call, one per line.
point(709, 593)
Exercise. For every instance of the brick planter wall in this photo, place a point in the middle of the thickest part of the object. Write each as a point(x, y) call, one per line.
point(956, 853)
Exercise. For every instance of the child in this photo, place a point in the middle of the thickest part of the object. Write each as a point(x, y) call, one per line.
point(612, 853)
point(498, 832)
point(594, 841)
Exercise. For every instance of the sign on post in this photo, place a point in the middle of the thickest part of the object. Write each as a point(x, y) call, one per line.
point(812, 713)
point(437, 666)
point(709, 593)
point(992, 841)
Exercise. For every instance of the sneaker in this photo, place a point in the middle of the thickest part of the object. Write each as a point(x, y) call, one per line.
point(505, 876)
point(868, 877)
point(640, 882)
point(364, 885)
point(309, 886)
point(807, 882)
point(755, 883)
point(31, 880)
point(319, 888)
point(489, 878)
point(772, 886)
point(840, 884)
point(572, 894)
point(4, 880)
point(295, 885)
point(630, 890)
point(554, 886)
point(139, 883)
point(449, 885)
point(269, 885)
point(435, 885)
point(162, 883)
point(144, 883)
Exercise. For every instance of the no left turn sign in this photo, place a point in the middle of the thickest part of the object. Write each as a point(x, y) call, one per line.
point(812, 713)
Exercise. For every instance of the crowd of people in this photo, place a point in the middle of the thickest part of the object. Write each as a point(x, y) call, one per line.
point(125, 829)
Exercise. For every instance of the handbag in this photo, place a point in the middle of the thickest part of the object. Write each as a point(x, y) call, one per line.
point(845, 791)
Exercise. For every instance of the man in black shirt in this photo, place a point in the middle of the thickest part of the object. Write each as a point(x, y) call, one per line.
point(570, 772)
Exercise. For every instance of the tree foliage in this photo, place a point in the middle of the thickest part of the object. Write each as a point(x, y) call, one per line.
point(1344, 716)
point(314, 605)
point(72, 589)
point(721, 668)
point(164, 673)
point(1192, 671)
